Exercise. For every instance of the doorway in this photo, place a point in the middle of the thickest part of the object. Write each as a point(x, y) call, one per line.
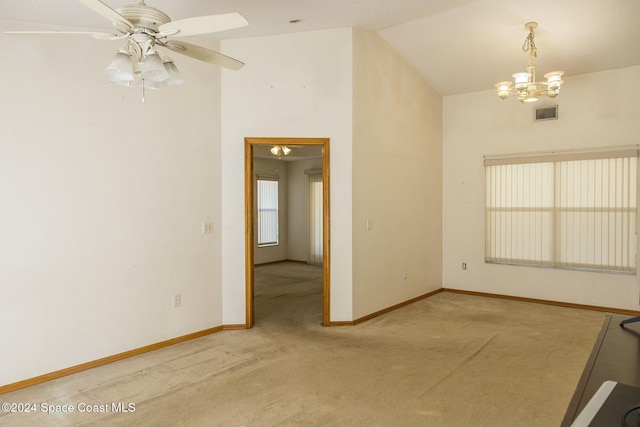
point(249, 144)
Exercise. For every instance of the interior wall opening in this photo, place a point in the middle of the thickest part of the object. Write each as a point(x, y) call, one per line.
point(287, 225)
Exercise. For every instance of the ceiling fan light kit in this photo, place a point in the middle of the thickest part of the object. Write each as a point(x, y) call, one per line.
point(524, 87)
point(120, 69)
point(141, 62)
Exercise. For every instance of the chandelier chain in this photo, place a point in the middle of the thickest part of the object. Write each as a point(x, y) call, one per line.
point(529, 45)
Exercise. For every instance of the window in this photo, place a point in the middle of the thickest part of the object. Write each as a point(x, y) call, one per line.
point(573, 210)
point(267, 201)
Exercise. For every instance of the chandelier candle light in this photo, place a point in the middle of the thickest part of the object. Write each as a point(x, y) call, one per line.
point(525, 88)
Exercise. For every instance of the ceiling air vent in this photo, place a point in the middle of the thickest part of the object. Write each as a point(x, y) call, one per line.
point(547, 113)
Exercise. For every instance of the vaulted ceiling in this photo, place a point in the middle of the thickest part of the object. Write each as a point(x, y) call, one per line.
point(458, 46)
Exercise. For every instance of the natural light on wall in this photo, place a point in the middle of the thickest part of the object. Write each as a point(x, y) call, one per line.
point(572, 210)
point(315, 218)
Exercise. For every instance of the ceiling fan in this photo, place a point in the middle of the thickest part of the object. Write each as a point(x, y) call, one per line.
point(140, 62)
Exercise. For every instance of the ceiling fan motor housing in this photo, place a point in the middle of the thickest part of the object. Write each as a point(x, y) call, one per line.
point(143, 16)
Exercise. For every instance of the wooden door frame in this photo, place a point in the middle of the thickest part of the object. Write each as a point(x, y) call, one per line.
point(249, 143)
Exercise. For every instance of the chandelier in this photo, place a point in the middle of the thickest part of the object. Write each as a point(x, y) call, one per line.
point(279, 150)
point(525, 87)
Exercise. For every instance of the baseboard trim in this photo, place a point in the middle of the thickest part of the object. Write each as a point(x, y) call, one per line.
point(131, 353)
point(235, 327)
point(109, 359)
point(341, 323)
point(281, 261)
point(391, 308)
point(488, 295)
point(547, 302)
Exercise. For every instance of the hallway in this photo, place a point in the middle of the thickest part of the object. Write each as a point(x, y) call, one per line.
point(288, 294)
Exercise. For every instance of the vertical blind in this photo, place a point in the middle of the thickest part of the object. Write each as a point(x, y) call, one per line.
point(315, 217)
point(267, 202)
point(573, 210)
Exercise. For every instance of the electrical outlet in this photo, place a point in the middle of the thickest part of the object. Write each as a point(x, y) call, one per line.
point(177, 300)
point(404, 275)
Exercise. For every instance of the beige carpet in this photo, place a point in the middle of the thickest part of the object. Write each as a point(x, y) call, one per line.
point(449, 360)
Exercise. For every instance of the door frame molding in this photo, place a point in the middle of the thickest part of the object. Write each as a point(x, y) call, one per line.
point(249, 143)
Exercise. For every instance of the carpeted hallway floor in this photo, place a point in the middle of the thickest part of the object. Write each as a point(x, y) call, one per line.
point(448, 360)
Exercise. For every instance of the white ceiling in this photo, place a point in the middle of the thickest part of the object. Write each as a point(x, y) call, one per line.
point(458, 46)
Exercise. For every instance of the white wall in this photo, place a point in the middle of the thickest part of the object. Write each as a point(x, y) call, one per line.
point(595, 110)
point(295, 85)
point(298, 205)
point(102, 199)
point(397, 179)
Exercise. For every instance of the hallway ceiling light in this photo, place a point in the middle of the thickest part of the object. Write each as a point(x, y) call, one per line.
point(526, 89)
point(279, 150)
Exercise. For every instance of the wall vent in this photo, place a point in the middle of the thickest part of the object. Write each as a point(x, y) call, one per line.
point(547, 113)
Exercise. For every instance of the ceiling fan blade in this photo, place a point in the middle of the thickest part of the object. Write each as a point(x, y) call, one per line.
point(106, 11)
point(95, 35)
point(205, 24)
point(204, 54)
